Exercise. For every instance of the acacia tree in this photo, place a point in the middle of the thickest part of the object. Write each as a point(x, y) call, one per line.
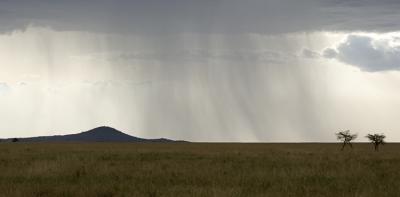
point(376, 140)
point(346, 137)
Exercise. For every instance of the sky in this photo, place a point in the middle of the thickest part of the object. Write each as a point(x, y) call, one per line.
point(210, 70)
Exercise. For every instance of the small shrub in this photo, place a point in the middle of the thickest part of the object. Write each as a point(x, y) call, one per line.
point(376, 140)
point(346, 137)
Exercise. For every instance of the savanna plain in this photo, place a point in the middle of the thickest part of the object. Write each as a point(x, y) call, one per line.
point(198, 169)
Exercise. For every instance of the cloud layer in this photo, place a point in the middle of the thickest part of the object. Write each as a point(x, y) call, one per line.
point(368, 53)
point(208, 16)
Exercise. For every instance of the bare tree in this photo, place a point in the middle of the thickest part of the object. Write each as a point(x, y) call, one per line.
point(346, 137)
point(376, 140)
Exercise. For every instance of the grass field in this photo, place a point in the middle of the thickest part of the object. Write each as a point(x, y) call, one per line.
point(191, 169)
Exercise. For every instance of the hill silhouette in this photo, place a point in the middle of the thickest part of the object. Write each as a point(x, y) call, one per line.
point(99, 134)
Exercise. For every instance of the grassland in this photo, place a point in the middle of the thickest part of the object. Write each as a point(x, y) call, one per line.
point(185, 169)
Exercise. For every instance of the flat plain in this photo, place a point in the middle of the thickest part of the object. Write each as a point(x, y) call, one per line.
point(198, 169)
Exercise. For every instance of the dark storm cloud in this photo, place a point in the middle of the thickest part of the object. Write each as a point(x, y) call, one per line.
point(367, 53)
point(206, 16)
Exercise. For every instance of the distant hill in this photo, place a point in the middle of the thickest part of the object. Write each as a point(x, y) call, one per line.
point(100, 134)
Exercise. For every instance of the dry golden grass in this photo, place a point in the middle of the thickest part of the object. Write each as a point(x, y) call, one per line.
point(197, 169)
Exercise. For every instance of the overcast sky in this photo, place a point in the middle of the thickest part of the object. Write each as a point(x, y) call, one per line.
point(209, 70)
